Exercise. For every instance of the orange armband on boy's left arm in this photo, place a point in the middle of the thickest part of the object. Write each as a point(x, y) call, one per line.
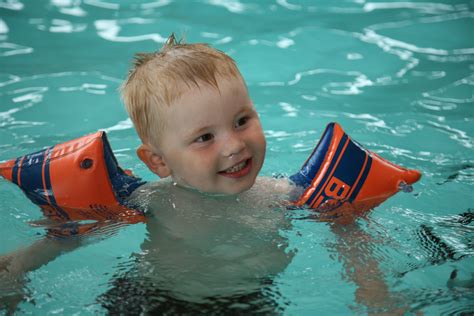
point(341, 173)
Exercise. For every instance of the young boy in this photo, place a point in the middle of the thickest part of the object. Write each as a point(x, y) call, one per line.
point(216, 229)
point(191, 108)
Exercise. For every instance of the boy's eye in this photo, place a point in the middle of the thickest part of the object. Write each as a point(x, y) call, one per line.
point(242, 121)
point(204, 138)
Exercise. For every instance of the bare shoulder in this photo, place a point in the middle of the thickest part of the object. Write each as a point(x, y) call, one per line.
point(277, 190)
point(275, 185)
point(152, 195)
point(163, 197)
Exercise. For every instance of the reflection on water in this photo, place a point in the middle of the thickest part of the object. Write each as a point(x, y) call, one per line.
point(131, 294)
point(397, 75)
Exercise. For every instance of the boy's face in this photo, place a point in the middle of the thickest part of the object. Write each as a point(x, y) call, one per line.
point(213, 140)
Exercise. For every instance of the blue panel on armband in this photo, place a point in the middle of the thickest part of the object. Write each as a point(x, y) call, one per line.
point(30, 176)
point(122, 184)
point(47, 178)
point(361, 182)
point(350, 163)
point(305, 176)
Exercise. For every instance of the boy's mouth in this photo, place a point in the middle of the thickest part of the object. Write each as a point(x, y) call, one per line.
point(239, 170)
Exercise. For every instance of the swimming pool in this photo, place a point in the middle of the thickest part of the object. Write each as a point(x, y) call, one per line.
point(397, 75)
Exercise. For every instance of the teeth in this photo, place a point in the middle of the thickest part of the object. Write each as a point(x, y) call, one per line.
point(236, 168)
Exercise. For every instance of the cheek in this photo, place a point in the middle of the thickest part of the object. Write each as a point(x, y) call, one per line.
point(264, 142)
point(258, 140)
point(259, 134)
point(179, 163)
point(199, 162)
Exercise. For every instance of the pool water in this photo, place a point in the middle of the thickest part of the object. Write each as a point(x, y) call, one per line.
point(397, 75)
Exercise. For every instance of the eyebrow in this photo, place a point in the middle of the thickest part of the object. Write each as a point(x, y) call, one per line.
point(204, 129)
point(198, 131)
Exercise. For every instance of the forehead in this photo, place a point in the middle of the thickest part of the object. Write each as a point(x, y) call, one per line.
point(230, 95)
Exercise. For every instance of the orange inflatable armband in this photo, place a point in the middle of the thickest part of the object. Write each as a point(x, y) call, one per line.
point(76, 180)
point(341, 174)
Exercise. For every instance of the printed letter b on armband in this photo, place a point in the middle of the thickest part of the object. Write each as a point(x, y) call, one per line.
point(336, 189)
point(340, 172)
point(76, 180)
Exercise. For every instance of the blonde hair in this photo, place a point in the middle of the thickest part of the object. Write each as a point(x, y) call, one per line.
point(157, 79)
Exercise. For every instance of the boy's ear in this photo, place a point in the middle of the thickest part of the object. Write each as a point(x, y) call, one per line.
point(154, 162)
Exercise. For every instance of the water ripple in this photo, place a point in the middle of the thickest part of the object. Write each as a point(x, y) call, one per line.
point(233, 6)
point(122, 125)
point(103, 4)
point(22, 95)
point(9, 80)
point(406, 50)
point(386, 44)
point(460, 87)
point(12, 79)
point(372, 34)
point(349, 87)
point(424, 7)
point(58, 25)
point(87, 87)
point(289, 6)
point(282, 42)
point(155, 4)
point(3, 27)
point(370, 121)
point(291, 111)
point(110, 29)
point(10, 49)
point(455, 134)
point(435, 105)
point(12, 5)
point(30, 95)
point(69, 8)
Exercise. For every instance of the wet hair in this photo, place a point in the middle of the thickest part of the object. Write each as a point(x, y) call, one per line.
point(157, 79)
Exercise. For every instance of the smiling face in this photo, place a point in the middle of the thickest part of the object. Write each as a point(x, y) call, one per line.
point(212, 139)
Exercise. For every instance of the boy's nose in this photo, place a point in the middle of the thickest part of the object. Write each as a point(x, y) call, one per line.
point(233, 145)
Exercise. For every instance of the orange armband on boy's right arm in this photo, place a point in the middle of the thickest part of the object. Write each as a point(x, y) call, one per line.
point(340, 172)
point(76, 180)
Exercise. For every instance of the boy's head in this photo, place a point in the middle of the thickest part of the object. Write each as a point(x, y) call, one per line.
point(191, 109)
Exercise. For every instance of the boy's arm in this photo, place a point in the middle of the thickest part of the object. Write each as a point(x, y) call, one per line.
point(59, 239)
point(355, 248)
point(15, 265)
point(36, 255)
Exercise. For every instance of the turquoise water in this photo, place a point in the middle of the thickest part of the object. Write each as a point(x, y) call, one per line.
point(397, 75)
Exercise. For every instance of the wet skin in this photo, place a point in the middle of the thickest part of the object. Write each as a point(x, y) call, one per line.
point(202, 246)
